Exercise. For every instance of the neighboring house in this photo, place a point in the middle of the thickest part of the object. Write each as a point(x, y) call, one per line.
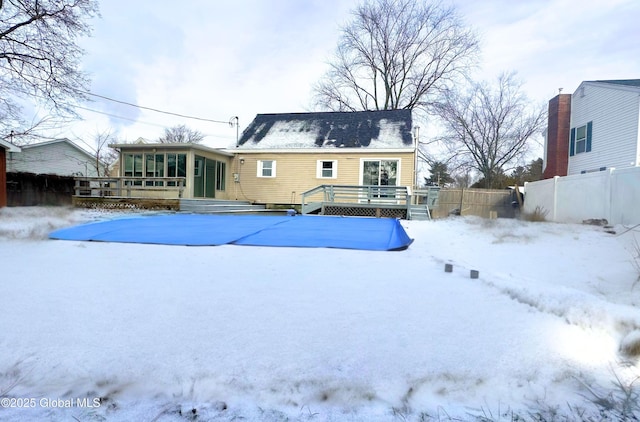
point(594, 129)
point(280, 156)
point(4, 148)
point(162, 168)
point(60, 157)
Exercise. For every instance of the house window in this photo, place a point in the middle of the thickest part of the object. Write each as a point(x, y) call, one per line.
point(327, 169)
point(133, 168)
point(380, 172)
point(154, 167)
point(220, 172)
point(580, 141)
point(266, 168)
point(176, 166)
point(133, 165)
point(158, 166)
point(149, 167)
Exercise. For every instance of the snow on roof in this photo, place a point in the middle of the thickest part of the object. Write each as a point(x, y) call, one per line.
point(364, 129)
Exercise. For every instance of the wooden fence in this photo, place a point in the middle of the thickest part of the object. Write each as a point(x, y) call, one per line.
point(28, 189)
point(481, 202)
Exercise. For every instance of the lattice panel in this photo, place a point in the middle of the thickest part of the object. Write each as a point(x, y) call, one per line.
point(365, 212)
point(110, 205)
point(145, 204)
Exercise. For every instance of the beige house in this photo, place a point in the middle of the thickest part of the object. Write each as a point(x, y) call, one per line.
point(156, 170)
point(277, 159)
point(280, 156)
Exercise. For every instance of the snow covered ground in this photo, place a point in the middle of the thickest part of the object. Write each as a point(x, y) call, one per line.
point(109, 331)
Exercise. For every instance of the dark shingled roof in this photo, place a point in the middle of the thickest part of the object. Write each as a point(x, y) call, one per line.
point(628, 82)
point(360, 129)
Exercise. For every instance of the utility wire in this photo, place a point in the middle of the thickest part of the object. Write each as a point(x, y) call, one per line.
point(152, 109)
point(229, 122)
point(115, 116)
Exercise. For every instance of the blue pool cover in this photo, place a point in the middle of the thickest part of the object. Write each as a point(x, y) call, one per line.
point(377, 234)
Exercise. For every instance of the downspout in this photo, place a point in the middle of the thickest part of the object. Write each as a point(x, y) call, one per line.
point(416, 140)
point(236, 174)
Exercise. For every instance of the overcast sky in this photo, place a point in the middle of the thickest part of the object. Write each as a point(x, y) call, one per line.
point(221, 59)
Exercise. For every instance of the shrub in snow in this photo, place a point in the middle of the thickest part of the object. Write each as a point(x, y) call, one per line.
point(630, 345)
point(539, 214)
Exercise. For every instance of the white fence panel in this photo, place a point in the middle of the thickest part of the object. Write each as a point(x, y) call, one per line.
point(582, 197)
point(541, 194)
point(625, 196)
point(612, 194)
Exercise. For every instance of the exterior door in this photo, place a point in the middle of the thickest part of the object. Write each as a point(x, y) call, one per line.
point(380, 172)
point(198, 177)
point(204, 178)
point(210, 178)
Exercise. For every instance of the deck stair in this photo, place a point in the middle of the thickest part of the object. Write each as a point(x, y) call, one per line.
point(420, 212)
point(211, 206)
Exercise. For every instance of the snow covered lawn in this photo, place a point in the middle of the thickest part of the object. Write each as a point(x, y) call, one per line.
point(163, 333)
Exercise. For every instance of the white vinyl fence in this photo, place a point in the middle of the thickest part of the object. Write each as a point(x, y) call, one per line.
point(610, 194)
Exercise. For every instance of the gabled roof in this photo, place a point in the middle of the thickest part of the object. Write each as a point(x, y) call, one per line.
point(627, 82)
point(9, 146)
point(385, 129)
point(58, 141)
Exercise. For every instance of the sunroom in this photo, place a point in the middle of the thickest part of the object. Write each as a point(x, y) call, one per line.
point(163, 171)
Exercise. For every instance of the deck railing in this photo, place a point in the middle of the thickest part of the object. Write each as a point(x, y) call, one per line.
point(130, 187)
point(427, 196)
point(313, 199)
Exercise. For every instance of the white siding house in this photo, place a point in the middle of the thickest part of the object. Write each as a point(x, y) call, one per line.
point(604, 124)
point(60, 157)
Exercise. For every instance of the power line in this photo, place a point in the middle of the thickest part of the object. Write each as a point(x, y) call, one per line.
point(229, 122)
point(114, 115)
point(143, 122)
point(153, 109)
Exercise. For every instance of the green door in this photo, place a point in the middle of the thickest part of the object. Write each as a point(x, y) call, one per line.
point(210, 179)
point(198, 177)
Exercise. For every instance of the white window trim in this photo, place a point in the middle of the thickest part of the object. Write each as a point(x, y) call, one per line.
point(260, 169)
point(334, 169)
point(398, 174)
point(583, 140)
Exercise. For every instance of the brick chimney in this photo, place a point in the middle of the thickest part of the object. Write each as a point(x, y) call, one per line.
point(558, 136)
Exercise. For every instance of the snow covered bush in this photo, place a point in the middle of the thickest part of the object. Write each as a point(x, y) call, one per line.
point(630, 345)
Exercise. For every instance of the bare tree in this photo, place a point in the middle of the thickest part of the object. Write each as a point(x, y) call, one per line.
point(105, 155)
point(39, 57)
point(489, 127)
point(396, 54)
point(181, 135)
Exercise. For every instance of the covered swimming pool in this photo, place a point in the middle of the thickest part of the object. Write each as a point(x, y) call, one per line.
point(377, 234)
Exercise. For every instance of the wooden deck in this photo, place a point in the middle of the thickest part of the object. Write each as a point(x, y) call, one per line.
point(369, 201)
